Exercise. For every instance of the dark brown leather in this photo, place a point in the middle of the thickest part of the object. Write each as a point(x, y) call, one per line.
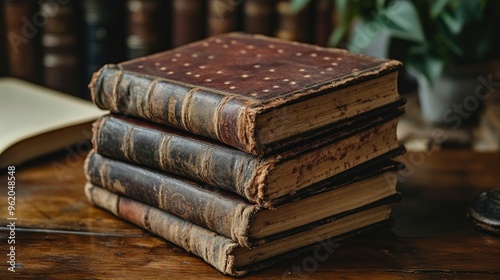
point(323, 21)
point(187, 17)
point(22, 39)
point(144, 27)
point(217, 87)
point(61, 47)
point(4, 67)
point(227, 58)
point(294, 26)
point(200, 159)
point(258, 16)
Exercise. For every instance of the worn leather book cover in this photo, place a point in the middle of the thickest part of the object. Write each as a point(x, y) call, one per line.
point(248, 91)
point(225, 254)
point(233, 216)
point(61, 47)
point(258, 179)
point(21, 40)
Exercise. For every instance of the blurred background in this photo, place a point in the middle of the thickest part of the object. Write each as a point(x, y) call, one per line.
point(450, 48)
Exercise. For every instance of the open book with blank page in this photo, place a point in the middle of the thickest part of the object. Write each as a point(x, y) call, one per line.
point(36, 121)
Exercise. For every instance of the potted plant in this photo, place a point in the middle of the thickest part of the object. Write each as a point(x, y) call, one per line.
point(445, 44)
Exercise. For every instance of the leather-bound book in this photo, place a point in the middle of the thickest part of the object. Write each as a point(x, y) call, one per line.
point(323, 21)
point(222, 16)
point(4, 67)
point(261, 180)
point(255, 93)
point(22, 39)
point(258, 16)
point(294, 26)
point(225, 254)
point(61, 47)
point(144, 27)
point(230, 214)
point(188, 21)
point(102, 37)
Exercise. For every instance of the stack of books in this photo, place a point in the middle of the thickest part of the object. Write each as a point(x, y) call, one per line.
point(244, 149)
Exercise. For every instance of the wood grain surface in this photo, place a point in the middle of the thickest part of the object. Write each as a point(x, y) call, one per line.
point(59, 235)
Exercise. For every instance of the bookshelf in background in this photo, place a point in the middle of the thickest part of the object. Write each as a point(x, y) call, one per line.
point(61, 47)
point(102, 35)
point(294, 26)
point(4, 66)
point(258, 16)
point(144, 27)
point(68, 40)
point(187, 22)
point(222, 17)
point(22, 39)
point(323, 21)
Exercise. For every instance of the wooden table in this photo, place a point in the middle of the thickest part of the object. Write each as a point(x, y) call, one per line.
point(60, 235)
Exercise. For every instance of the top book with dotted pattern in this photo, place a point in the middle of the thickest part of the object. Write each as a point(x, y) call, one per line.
point(255, 93)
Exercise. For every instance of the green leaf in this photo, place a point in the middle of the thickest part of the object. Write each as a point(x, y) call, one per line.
point(453, 24)
point(297, 5)
point(337, 35)
point(437, 7)
point(346, 15)
point(341, 7)
point(471, 10)
point(424, 62)
point(381, 4)
point(364, 34)
point(402, 20)
point(449, 37)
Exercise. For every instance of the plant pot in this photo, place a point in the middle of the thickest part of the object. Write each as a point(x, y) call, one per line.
point(454, 99)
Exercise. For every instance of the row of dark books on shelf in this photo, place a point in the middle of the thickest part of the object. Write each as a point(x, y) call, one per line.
point(59, 44)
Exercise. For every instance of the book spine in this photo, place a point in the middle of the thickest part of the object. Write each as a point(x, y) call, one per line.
point(222, 16)
point(258, 16)
point(200, 204)
point(293, 26)
point(187, 17)
point(61, 47)
point(22, 38)
point(323, 21)
point(211, 247)
point(4, 67)
point(179, 154)
point(144, 26)
point(199, 111)
point(101, 34)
